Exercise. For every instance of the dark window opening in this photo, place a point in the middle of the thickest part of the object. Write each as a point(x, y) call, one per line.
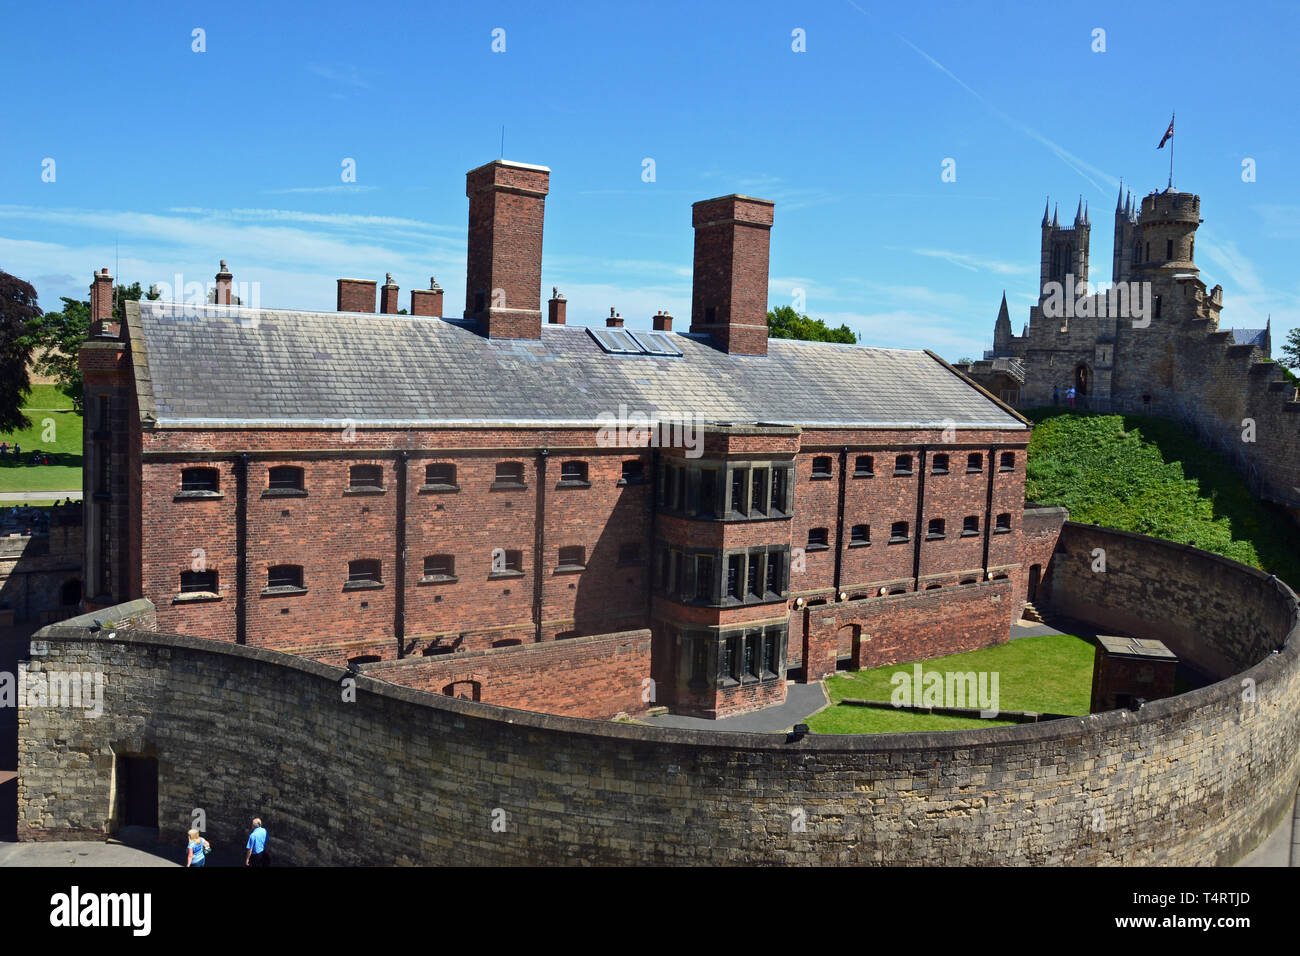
point(863, 467)
point(633, 470)
point(821, 467)
point(936, 528)
point(903, 465)
point(573, 558)
point(573, 472)
point(1004, 522)
point(970, 525)
point(363, 572)
point(775, 564)
point(365, 476)
point(440, 566)
point(758, 492)
point(817, 539)
point(898, 532)
point(704, 578)
point(749, 661)
point(509, 473)
point(707, 507)
point(1007, 461)
point(1157, 309)
point(284, 576)
point(734, 565)
point(754, 576)
point(198, 582)
point(442, 474)
point(861, 534)
point(200, 479)
point(699, 660)
point(738, 491)
point(939, 465)
point(285, 478)
point(779, 502)
point(974, 462)
point(1169, 248)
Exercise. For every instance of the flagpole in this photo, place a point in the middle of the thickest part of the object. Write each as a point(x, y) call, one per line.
point(1172, 117)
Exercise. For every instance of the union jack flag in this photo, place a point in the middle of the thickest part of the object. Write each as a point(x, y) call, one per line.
point(1169, 132)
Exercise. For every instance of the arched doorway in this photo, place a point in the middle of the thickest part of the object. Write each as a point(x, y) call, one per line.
point(846, 646)
point(1082, 379)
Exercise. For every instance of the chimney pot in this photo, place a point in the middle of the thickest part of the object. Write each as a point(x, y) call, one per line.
point(224, 282)
point(388, 296)
point(556, 308)
point(614, 321)
point(663, 322)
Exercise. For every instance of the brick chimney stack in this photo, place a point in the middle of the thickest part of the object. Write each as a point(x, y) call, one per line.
point(356, 295)
point(428, 301)
point(556, 307)
point(102, 323)
point(663, 322)
point(503, 273)
point(388, 296)
point(225, 279)
point(614, 320)
point(729, 291)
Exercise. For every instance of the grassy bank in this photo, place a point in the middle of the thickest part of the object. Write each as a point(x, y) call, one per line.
point(47, 408)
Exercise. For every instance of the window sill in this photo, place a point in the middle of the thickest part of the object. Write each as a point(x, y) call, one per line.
point(935, 537)
point(1001, 530)
point(820, 477)
point(970, 534)
point(902, 474)
point(817, 547)
point(944, 472)
point(974, 471)
point(570, 569)
point(437, 489)
point(197, 597)
point(728, 682)
point(189, 495)
point(363, 490)
point(284, 493)
point(573, 483)
point(507, 486)
point(499, 575)
point(362, 585)
point(899, 540)
point(864, 474)
point(632, 481)
point(1003, 470)
point(438, 579)
point(284, 590)
point(859, 544)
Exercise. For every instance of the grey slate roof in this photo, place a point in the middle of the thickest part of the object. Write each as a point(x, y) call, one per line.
point(217, 365)
point(1250, 337)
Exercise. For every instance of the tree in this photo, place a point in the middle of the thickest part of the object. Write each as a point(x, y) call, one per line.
point(786, 323)
point(57, 337)
point(964, 360)
point(1291, 352)
point(18, 313)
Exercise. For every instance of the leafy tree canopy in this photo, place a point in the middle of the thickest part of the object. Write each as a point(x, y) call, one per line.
point(18, 314)
point(786, 323)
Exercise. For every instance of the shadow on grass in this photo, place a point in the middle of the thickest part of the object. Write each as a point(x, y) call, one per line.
point(1268, 528)
point(66, 459)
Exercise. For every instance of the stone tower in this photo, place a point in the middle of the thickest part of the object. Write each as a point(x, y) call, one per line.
point(1064, 251)
point(1002, 329)
point(1128, 250)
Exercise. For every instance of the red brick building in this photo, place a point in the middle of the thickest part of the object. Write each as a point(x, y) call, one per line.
point(696, 512)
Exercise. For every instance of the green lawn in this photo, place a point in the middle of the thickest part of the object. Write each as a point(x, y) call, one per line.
point(1048, 674)
point(64, 471)
point(1150, 476)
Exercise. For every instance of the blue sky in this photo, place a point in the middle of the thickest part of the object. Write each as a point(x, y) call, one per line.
point(168, 160)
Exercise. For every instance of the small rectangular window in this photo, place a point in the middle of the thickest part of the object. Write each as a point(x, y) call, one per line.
point(366, 477)
point(758, 492)
point(440, 566)
point(573, 473)
point(363, 572)
point(817, 539)
point(974, 462)
point(633, 470)
point(512, 561)
point(284, 576)
point(200, 479)
point(970, 525)
point(936, 528)
point(939, 465)
point(285, 478)
point(198, 582)
point(707, 507)
point(772, 664)
point(821, 467)
point(750, 662)
point(898, 532)
point(440, 474)
point(1007, 462)
point(779, 502)
point(699, 659)
point(863, 467)
point(509, 474)
point(861, 534)
point(738, 491)
point(775, 562)
point(733, 657)
point(573, 558)
point(903, 465)
point(1004, 522)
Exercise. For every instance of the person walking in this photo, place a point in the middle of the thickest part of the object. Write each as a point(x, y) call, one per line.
point(1069, 394)
point(197, 851)
point(1056, 395)
point(257, 855)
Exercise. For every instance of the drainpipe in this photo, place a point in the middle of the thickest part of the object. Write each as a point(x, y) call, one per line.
point(241, 549)
point(399, 591)
point(920, 523)
point(539, 543)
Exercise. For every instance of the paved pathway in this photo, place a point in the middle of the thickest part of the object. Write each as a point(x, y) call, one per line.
point(40, 495)
point(801, 700)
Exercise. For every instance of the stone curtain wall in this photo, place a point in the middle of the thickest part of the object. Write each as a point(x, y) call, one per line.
point(406, 776)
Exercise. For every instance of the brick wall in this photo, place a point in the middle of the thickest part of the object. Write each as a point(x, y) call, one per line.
point(596, 677)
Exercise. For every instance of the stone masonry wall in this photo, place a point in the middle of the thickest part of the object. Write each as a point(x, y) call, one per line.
point(401, 775)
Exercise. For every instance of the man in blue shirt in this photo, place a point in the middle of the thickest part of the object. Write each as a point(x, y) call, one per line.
point(257, 855)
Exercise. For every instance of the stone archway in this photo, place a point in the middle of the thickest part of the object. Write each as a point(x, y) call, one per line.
point(1082, 379)
point(847, 640)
